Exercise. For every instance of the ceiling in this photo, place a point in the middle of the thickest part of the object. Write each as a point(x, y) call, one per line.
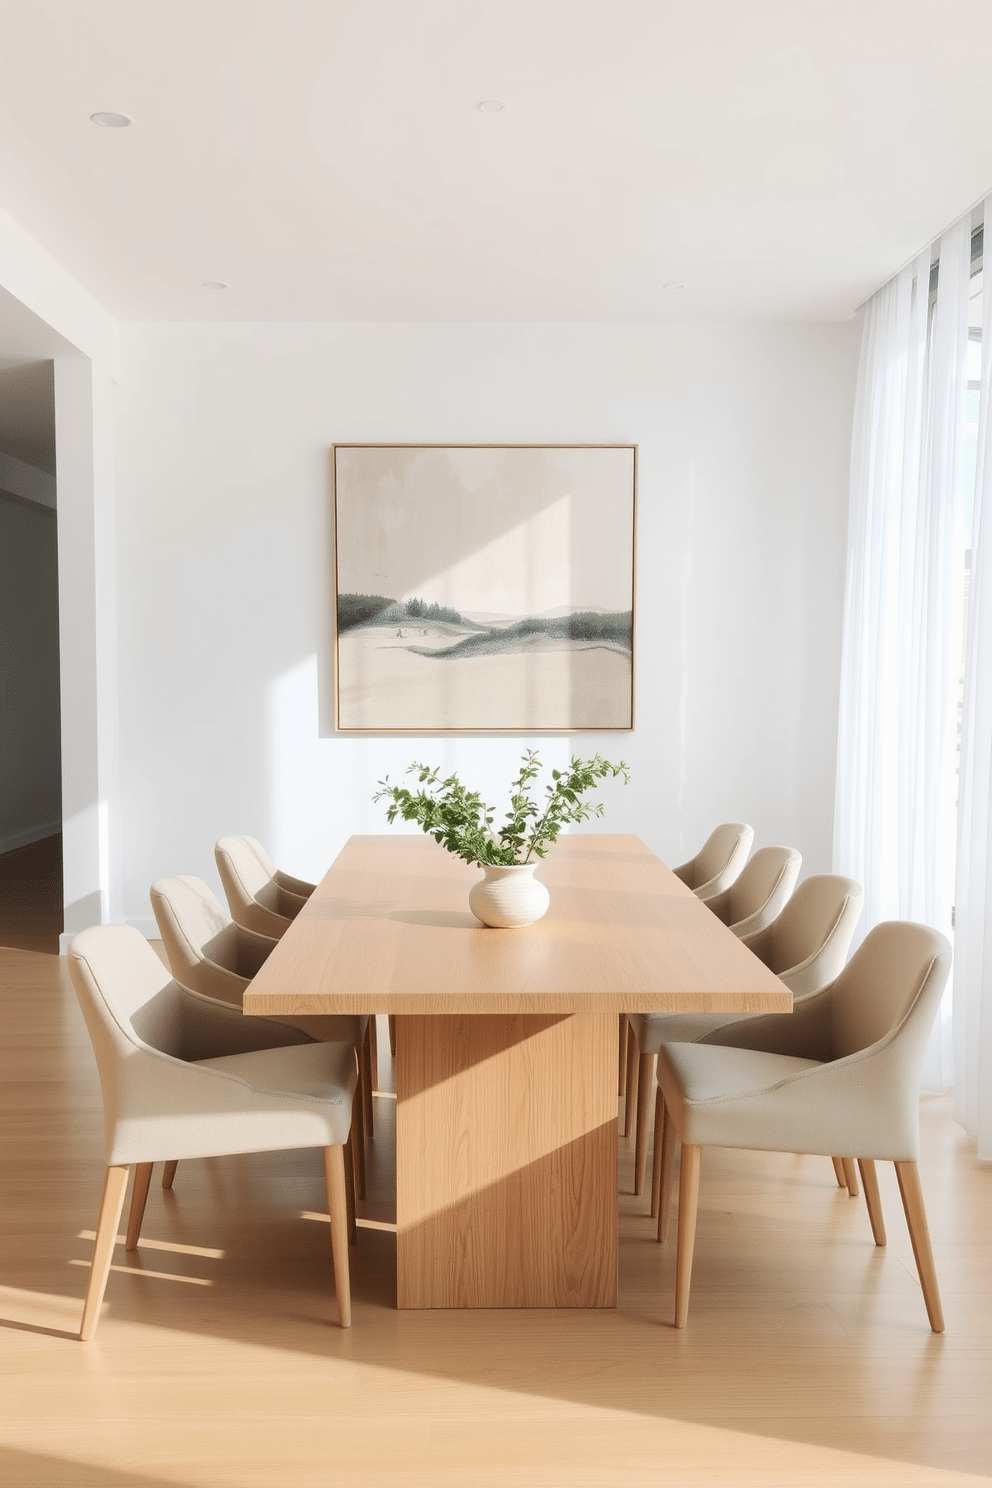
point(327, 158)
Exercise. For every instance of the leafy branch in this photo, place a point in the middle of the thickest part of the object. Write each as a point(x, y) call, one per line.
point(460, 821)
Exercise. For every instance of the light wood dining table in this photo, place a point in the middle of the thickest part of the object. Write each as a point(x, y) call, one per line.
point(506, 1047)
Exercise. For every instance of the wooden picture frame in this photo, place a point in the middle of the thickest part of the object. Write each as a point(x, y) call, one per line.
point(483, 588)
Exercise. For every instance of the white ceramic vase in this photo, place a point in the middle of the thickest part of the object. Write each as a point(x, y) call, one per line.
point(509, 895)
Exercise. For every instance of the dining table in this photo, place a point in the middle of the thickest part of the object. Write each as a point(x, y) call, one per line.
point(506, 1046)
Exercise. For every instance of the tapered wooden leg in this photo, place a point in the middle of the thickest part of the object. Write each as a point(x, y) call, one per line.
point(374, 1051)
point(839, 1173)
point(850, 1176)
point(630, 1101)
point(169, 1173)
point(349, 1170)
point(114, 1189)
point(392, 1034)
point(869, 1182)
point(916, 1219)
point(337, 1208)
point(358, 1139)
point(365, 1079)
point(688, 1205)
point(645, 1086)
point(667, 1160)
point(139, 1198)
point(622, 1059)
point(659, 1130)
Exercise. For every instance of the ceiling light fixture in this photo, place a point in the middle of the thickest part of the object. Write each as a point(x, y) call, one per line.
point(215, 284)
point(491, 106)
point(107, 119)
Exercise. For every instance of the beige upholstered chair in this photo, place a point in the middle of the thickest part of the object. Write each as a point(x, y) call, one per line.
point(261, 897)
point(173, 1088)
point(839, 1074)
point(213, 956)
point(806, 946)
point(718, 861)
point(759, 892)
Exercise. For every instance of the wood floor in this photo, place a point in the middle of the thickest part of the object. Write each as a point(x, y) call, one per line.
point(807, 1358)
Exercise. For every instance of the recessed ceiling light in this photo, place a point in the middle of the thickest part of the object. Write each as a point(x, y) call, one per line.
point(109, 120)
point(491, 106)
point(215, 284)
point(674, 286)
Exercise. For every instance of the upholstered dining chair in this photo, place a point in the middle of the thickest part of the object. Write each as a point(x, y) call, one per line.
point(718, 861)
point(261, 897)
point(748, 905)
point(710, 872)
point(211, 955)
point(841, 1073)
point(173, 1088)
point(264, 899)
point(759, 892)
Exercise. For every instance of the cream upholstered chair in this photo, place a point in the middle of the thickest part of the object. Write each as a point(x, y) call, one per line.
point(718, 861)
point(747, 904)
point(839, 1074)
point(264, 899)
point(261, 897)
point(211, 955)
point(759, 892)
point(173, 1088)
point(710, 872)
point(806, 946)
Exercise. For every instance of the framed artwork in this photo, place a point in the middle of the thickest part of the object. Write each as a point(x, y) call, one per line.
point(484, 588)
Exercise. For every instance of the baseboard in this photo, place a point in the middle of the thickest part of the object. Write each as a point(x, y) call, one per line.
point(13, 840)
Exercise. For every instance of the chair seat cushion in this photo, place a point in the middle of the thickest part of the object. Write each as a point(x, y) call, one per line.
point(327, 1073)
point(722, 1096)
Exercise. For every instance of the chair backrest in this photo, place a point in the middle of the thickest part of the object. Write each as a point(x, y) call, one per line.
point(265, 862)
point(127, 997)
point(197, 930)
point(720, 859)
point(764, 884)
point(247, 883)
point(892, 984)
point(812, 935)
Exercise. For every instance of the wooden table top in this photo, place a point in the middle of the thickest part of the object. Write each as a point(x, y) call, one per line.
point(389, 930)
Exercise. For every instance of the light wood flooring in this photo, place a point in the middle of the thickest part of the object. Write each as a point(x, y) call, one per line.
point(807, 1358)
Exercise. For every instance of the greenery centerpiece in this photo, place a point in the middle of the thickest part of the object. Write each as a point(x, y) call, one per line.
point(461, 822)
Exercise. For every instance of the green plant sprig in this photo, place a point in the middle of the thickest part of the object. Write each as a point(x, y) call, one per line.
point(462, 823)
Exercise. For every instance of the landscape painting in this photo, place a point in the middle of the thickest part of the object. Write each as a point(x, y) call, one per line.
point(484, 588)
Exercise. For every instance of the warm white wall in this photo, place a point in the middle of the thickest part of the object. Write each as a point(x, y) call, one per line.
point(222, 438)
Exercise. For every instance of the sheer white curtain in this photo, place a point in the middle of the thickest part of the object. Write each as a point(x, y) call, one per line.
point(901, 652)
point(973, 937)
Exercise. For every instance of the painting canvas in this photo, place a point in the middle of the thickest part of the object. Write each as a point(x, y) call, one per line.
point(484, 588)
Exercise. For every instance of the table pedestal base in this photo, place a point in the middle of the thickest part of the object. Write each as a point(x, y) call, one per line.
point(506, 1142)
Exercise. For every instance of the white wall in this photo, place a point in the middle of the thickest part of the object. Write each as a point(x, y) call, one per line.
point(222, 437)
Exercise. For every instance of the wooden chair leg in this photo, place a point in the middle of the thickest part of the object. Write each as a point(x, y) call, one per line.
point(169, 1172)
point(358, 1139)
point(374, 1051)
point(139, 1198)
point(667, 1162)
point(337, 1208)
point(850, 1176)
point(630, 1102)
point(622, 1058)
point(645, 1085)
point(365, 1080)
point(659, 1131)
point(839, 1173)
point(349, 1169)
point(688, 1206)
point(869, 1182)
point(392, 1034)
point(111, 1205)
point(919, 1233)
